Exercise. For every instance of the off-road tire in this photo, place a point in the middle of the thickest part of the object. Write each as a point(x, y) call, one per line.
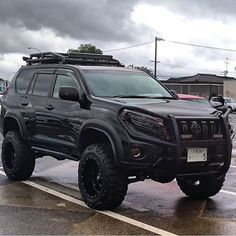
point(102, 185)
point(202, 187)
point(17, 159)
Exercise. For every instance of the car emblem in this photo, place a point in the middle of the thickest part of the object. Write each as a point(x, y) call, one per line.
point(196, 128)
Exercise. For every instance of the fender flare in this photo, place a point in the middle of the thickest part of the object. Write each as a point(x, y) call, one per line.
point(110, 133)
point(18, 119)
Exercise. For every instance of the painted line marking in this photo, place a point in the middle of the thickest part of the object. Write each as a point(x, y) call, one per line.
point(232, 166)
point(234, 151)
point(70, 186)
point(228, 192)
point(125, 203)
point(135, 207)
point(111, 214)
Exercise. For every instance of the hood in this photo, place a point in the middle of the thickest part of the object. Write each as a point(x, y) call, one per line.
point(170, 107)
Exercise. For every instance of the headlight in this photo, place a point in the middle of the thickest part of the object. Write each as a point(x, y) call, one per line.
point(143, 124)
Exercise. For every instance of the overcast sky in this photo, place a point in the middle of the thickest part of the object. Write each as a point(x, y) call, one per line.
point(57, 25)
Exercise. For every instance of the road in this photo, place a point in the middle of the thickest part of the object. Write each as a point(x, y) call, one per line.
point(50, 203)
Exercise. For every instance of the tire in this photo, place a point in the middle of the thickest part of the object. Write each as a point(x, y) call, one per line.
point(202, 187)
point(18, 162)
point(102, 185)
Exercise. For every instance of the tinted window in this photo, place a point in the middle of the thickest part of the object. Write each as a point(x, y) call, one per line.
point(23, 80)
point(64, 80)
point(42, 84)
point(31, 86)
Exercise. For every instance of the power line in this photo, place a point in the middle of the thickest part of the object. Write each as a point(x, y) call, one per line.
point(201, 46)
point(131, 46)
point(175, 42)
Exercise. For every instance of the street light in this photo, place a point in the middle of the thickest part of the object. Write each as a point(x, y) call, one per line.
point(30, 48)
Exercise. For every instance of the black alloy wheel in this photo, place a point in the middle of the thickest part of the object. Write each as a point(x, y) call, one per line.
point(17, 159)
point(103, 186)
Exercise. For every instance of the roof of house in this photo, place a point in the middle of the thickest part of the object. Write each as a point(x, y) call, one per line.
point(200, 78)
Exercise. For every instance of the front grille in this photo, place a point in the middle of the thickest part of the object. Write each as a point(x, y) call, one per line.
point(200, 129)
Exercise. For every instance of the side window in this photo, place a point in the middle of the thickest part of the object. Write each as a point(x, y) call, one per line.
point(23, 80)
point(43, 84)
point(65, 80)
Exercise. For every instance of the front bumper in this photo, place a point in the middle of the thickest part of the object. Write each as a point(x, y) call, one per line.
point(172, 155)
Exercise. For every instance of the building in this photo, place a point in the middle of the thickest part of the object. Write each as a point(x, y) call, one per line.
point(230, 88)
point(205, 85)
point(3, 85)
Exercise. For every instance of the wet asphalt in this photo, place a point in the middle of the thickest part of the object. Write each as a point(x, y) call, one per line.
point(26, 210)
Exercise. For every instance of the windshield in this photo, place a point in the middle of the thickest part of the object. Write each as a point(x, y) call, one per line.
point(124, 84)
point(229, 100)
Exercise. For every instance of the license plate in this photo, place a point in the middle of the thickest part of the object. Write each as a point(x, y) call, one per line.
point(197, 154)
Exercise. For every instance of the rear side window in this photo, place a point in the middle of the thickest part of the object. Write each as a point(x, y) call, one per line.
point(23, 80)
point(42, 84)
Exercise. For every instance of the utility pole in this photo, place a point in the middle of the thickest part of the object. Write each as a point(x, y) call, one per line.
point(226, 66)
point(155, 60)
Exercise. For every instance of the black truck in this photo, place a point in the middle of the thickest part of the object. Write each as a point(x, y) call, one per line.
point(121, 124)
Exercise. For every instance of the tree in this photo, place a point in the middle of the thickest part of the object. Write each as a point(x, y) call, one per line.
point(87, 48)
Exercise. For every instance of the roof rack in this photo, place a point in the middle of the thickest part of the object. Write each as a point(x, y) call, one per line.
point(71, 58)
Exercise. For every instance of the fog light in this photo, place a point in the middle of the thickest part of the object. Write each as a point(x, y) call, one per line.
point(136, 152)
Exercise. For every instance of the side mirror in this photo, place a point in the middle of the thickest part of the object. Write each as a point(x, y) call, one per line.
point(174, 93)
point(221, 100)
point(69, 93)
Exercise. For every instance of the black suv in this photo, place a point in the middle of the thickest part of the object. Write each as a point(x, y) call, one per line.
point(120, 123)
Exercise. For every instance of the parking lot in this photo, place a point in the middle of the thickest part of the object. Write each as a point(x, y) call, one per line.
point(50, 203)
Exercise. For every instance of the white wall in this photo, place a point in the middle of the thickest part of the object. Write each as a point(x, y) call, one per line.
point(230, 88)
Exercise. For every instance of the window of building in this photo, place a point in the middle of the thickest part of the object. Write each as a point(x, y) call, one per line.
point(185, 89)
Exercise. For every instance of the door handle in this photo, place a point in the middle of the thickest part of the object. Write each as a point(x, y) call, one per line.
point(24, 104)
point(49, 107)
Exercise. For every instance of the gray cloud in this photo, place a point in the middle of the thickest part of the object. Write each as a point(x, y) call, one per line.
point(106, 20)
point(13, 40)
point(215, 9)
point(103, 23)
point(17, 40)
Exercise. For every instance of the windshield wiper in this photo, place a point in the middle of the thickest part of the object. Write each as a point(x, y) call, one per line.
point(131, 96)
point(162, 97)
point(141, 96)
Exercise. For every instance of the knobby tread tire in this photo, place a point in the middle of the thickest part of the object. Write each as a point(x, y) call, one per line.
point(114, 182)
point(207, 187)
point(24, 163)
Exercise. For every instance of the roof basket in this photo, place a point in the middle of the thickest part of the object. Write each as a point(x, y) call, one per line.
point(71, 58)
